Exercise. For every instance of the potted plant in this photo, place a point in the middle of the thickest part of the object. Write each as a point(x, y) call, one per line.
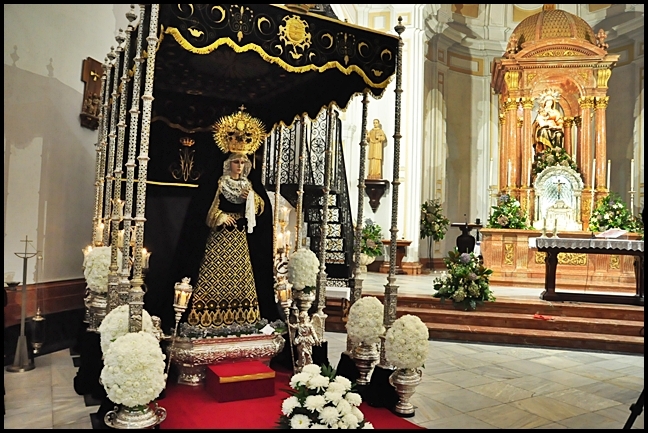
point(467, 284)
point(434, 225)
point(370, 244)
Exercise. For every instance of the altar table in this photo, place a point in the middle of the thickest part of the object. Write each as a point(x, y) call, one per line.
point(554, 246)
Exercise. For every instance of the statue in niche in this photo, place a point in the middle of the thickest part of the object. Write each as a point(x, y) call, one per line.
point(377, 142)
point(548, 126)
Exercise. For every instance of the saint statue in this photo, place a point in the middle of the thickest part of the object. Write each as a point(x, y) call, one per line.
point(377, 141)
point(548, 126)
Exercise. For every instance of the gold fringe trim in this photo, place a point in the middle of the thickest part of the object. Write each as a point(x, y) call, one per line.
point(246, 377)
point(253, 47)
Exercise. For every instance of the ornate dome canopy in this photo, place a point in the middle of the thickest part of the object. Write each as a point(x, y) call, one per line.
point(553, 24)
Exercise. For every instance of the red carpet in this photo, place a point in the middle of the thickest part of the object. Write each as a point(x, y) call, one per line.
point(193, 408)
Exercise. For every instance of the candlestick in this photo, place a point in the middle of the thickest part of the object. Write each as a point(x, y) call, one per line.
point(593, 171)
point(145, 258)
point(609, 169)
point(490, 173)
point(632, 175)
point(99, 232)
point(120, 238)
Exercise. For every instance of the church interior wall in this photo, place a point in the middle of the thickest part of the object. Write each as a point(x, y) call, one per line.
point(49, 157)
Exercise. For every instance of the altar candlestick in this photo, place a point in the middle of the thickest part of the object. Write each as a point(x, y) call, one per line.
point(490, 173)
point(632, 175)
point(593, 171)
point(607, 181)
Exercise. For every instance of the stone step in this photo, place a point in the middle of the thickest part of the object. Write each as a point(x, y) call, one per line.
point(534, 337)
point(527, 320)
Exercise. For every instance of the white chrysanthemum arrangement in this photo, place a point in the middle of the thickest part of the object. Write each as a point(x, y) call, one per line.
point(303, 268)
point(322, 400)
point(115, 325)
point(365, 322)
point(133, 373)
point(96, 263)
point(406, 342)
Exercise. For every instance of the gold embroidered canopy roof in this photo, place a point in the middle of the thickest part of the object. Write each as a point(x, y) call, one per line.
point(279, 62)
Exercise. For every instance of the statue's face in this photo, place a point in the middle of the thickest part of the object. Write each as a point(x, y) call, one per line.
point(376, 123)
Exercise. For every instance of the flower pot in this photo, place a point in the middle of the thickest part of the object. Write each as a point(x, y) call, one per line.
point(364, 261)
point(97, 310)
point(365, 357)
point(145, 416)
point(405, 381)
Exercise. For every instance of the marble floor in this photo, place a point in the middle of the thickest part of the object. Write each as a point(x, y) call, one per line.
point(465, 385)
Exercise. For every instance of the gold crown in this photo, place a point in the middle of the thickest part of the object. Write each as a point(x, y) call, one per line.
point(239, 133)
point(548, 94)
point(187, 142)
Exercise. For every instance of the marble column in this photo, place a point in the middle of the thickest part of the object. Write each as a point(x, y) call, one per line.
point(600, 104)
point(502, 152)
point(568, 122)
point(511, 144)
point(585, 157)
point(527, 141)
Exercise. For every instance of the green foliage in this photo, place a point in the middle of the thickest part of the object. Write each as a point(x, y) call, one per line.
point(507, 214)
point(613, 213)
point(433, 223)
point(467, 284)
point(551, 157)
point(371, 239)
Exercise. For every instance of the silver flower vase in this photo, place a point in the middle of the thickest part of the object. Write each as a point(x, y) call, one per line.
point(365, 357)
point(145, 416)
point(303, 300)
point(405, 381)
point(97, 310)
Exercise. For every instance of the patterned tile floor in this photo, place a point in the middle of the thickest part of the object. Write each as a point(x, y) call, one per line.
point(465, 385)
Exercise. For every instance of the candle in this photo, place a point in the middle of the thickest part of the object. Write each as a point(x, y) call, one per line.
point(508, 174)
point(490, 173)
point(609, 169)
point(145, 258)
point(120, 238)
point(280, 240)
point(632, 175)
point(593, 171)
point(544, 223)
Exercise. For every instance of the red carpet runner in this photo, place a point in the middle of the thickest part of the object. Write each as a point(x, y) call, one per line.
point(193, 408)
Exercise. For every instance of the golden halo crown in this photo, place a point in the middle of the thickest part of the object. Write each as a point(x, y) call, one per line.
point(239, 133)
point(548, 94)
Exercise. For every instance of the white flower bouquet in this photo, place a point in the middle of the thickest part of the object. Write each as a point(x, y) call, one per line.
point(133, 373)
point(96, 263)
point(406, 342)
point(303, 268)
point(115, 325)
point(365, 322)
point(320, 399)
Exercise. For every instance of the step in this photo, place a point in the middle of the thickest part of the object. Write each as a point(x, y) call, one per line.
point(546, 308)
point(532, 337)
point(526, 321)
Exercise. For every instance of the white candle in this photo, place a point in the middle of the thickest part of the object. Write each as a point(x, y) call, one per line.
point(508, 174)
point(593, 171)
point(145, 258)
point(490, 173)
point(99, 232)
point(120, 238)
point(609, 169)
point(632, 175)
point(280, 240)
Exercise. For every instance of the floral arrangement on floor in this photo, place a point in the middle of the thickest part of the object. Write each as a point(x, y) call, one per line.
point(365, 321)
point(371, 244)
point(320, 399)
point(96, 263)
point(613, 213)
point(303, 267)
point(507, 214)
point(133, 373)
point(196, 332)
point(406, 342)
point(115, 325)
point(467, 283)
point(550, 157)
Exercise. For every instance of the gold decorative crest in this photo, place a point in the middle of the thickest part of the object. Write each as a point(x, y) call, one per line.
point(296, 34)
point(239, 133)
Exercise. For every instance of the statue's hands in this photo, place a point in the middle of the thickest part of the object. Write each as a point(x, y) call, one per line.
point(230, 221)
point(245, 193)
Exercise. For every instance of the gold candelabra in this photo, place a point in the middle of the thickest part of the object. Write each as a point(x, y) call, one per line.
point(182, 293)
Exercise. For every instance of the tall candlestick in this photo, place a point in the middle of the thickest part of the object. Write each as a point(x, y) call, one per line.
point(530, 170)
point(508, 174)
point(607, 180)
point(593, 171)
point(632, 175)
point(490, 173)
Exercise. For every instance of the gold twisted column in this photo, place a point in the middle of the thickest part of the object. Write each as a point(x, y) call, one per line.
point(136, 295)
point(110, 230)
point(124, 283)
point(391, 289)
point(356, 292)
point(600, 105)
